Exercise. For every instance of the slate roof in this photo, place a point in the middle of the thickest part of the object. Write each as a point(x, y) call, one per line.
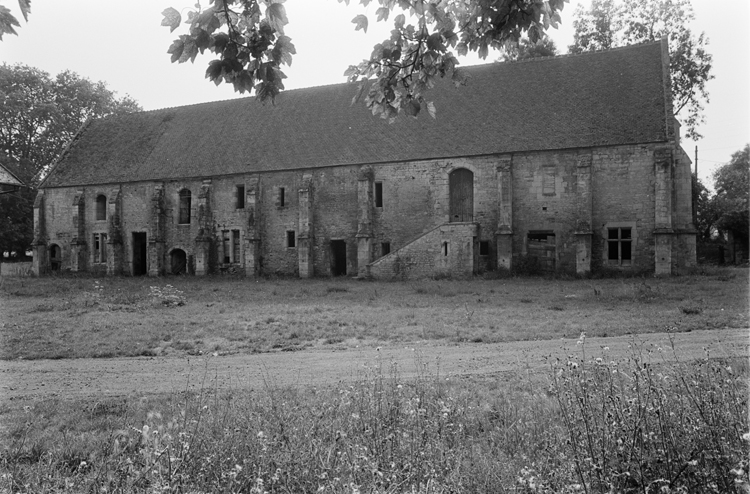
point(7, 178)
point(595, 99)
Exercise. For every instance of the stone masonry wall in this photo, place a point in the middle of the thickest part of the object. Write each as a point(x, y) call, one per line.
point(447, 250)
point(415, 200)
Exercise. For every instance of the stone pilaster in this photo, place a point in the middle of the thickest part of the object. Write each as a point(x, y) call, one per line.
point(252, 234)
point(203, 241)
point(40, 263)
point(584, 214)
point(663, 211)
point(156, 233)
point(365, 183)
point(78, 244)
point(504, 234)
point(305, 228)
point(114, 232)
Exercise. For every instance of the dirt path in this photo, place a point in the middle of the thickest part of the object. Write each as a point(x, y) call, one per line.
point(24, 381)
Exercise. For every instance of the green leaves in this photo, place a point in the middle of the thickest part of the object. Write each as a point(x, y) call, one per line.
point(251, 46)
point(172, 19)
point(276, 16)
point(360, 22)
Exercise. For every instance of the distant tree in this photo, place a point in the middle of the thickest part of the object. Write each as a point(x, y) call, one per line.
point(39, 115)
point(611, 23)
point(247, 37)
point(732, 184)
point(705, 212)
point(526, 50)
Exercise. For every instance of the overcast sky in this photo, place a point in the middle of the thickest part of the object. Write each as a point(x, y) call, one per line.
point(122, 43)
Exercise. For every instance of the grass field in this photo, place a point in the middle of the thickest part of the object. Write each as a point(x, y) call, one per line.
point(643, 423)
point(71, 317)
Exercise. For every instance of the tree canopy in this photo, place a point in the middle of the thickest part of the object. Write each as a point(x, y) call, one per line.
point(248, 42)
point(526, 50)
point(39, 116)
point(732, 184)
point(612, 23)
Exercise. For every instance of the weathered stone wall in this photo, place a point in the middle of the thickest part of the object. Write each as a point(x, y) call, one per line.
point(574, 195)
point(623, 195)
point(447, 250)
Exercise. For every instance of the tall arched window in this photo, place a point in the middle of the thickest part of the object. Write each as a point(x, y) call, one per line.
point(184, 218)
point(101, 207)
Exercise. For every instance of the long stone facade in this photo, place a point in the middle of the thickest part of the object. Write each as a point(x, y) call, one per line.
point(586, 175)
point(388, 221)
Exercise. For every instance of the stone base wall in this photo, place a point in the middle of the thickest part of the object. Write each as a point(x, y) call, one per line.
point(446, 251)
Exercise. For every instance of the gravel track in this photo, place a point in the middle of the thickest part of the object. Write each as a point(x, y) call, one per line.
point(22, 382)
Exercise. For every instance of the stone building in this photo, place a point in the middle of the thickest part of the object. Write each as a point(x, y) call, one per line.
point(571, 163)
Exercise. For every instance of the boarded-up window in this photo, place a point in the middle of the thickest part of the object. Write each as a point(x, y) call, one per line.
point(185, 204)
point(100, 248)
point(548, 180)
point(461, 191)
point(101, 207)
point(240, 197)
point(620, 246)
point(235, 246)
point(541, 249)
point(230, 246)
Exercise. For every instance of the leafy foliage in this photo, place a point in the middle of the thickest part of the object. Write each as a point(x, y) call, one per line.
point(732, 183)
point(8, 21)
point(705, 213)
point(251, 46)
point(609, 24)
point(39, 116)
point(526, 50)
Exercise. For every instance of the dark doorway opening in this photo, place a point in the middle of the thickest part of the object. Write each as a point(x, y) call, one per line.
point(461, 191)
point(338, 257)
point(178, 262)
point(55, 257)
point(139, 254)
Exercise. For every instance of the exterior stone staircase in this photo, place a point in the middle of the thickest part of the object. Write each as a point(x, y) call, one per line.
point(446, 250)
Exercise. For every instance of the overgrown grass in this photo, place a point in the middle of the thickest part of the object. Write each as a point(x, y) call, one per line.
point(644, 424)
point(69, 317)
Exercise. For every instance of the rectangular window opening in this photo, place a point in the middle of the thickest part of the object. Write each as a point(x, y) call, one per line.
point(291, 240)
point(620, 246)
point(484, 248)
point(282, 197)
point(236, 246)
point(240, 202)
point(378, 194)
point(100, 248)
point(225, 242)
point(385, 248)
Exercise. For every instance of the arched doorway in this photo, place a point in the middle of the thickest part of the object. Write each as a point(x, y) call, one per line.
point(55, 257)
point(461, 191)
point(178, 262)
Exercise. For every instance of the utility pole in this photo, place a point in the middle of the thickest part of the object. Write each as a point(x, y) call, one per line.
point(696, 160)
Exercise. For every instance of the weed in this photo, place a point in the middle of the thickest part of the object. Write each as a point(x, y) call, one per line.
point(337, 289)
